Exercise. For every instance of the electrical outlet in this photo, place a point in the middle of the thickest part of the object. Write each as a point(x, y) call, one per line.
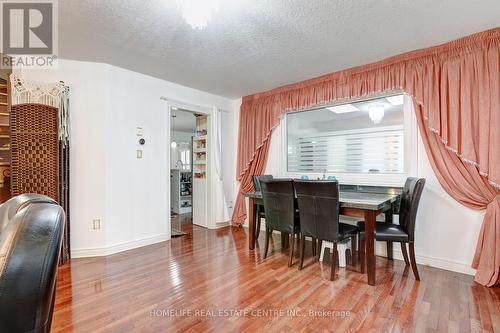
point(96, 224)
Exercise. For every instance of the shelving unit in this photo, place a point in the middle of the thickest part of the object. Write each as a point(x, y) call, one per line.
point(201, 155)
point(181, 191)
point(4, 140)
point(200, 148)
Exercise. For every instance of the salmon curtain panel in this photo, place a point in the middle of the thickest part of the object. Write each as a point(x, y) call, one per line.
point(456, 91)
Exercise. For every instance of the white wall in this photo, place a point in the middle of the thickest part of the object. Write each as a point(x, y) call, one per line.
point(446, 232)
point(107, 180)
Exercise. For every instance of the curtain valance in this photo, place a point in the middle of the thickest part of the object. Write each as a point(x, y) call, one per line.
point(462, 75)
point(456, 86)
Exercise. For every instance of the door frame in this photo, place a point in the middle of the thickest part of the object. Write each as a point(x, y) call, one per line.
point(205, 110)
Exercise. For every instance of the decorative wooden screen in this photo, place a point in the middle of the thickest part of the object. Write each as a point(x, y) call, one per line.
point(35, 150)
point(4, 141)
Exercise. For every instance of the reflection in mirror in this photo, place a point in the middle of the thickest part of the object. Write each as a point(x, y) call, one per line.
point(360, 137)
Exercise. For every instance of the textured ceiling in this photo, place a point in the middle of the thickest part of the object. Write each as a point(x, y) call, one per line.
point(252, 46)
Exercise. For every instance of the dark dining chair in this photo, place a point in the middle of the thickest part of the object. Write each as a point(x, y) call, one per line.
point(404, 232)
point(281, 210)
point(319, 206)
point(260, 212)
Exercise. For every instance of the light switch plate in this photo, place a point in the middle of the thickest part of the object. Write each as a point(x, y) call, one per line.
point(139, 153)
point(96, 224)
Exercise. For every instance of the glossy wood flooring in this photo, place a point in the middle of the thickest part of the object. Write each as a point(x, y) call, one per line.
point(208, 281)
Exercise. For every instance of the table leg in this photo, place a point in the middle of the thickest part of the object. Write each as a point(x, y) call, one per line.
point(251, 223)
point(388, 219)
point(370, 216)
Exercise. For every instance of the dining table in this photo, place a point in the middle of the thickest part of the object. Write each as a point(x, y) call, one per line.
point(364, 202)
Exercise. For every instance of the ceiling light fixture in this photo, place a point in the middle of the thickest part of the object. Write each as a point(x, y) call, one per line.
point(376, 113)
point(396, 100)
point(345, 108)
point(197, 13)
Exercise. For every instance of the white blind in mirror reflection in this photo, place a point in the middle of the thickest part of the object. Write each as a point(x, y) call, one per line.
point(369, 150)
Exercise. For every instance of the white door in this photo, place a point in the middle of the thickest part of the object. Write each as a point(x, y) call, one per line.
point(200, 202)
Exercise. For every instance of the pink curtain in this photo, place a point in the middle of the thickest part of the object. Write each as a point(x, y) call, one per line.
point(257, 166)
point(457, 89)
point(464, 183)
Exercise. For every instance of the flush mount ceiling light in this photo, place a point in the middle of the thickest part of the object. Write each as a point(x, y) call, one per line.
point(197, 13)
point(396, 100)
point(345, 108)
point(376, 113)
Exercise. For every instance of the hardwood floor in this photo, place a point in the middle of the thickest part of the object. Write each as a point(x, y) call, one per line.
point(208, 281)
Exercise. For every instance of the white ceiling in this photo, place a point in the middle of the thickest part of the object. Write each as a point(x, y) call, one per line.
point(252, 46)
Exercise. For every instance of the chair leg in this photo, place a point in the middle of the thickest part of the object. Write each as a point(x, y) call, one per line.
point(322, 251)
point(405, 253)
point(285, 240)
point(313, 244)
point(359, 247)
point(362, 253)
point(302, 248)
point(413, 261)
point(320, 247)
point(268, 235)
point(354, 255)
point(335, 255)
point(291, 250)
point(389, 251)
point(257, 227)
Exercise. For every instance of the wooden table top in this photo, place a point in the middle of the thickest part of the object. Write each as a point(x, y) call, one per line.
point(350, 199)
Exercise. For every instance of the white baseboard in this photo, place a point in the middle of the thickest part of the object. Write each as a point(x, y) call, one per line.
point(222, 224)
point(120, 247)
point(430, 261)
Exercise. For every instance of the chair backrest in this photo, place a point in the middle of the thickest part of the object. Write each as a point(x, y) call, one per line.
point(410, 198)
point(10, 208)
point(30, 245)
point(318, 203)
point(279, 204)
point(258, 179)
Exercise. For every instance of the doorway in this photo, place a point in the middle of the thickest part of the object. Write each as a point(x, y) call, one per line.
point(188, 170)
